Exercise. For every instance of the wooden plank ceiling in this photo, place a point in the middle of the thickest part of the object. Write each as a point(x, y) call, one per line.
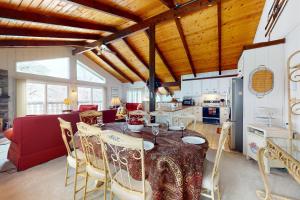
point(184, 45)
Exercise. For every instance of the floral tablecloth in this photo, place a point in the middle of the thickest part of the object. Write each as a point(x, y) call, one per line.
point(173, 168)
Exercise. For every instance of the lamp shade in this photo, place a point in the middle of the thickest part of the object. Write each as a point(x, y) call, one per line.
point(115, 101)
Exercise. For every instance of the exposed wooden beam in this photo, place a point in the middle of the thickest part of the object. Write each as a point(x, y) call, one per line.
point(168, 3)
point(152, 68)
point(113, 66)
point(171, 84)
point(126, 63)
point(107, 9)
point(185, 45)
point(39, 43)
point(264, 44)
point(219, 10)
point(16, 31)
point(211, 77)
point(182, 10)
point(54, 20)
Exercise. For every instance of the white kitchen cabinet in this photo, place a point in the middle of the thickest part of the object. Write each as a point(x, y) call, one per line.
point(198, 113)
point(224, 85)
point(187, 88)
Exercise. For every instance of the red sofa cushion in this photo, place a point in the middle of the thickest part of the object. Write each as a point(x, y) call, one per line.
point(87, 107)
point(109, 116)
point(37, 139)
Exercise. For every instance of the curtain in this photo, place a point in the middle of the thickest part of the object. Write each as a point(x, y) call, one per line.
point(21, 97)
point(135, 95)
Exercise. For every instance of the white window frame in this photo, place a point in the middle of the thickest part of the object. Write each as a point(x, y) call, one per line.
point(91, 71)
point(45, 106)
point(93, 87)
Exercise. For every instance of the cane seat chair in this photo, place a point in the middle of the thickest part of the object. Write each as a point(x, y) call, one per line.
point(210, 183)
point(75, 157)
point(95, 166)
point(90, 116)
point(125, 157)
point(140, 114)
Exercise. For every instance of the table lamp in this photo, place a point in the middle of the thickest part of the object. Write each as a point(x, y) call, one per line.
point(115, 101)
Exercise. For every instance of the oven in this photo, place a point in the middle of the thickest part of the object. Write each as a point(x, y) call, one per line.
point(211, 115)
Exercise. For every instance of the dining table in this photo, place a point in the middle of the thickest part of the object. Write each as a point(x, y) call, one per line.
point(173, 168)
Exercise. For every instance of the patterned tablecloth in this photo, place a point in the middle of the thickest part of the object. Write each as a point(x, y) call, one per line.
point(173, 168)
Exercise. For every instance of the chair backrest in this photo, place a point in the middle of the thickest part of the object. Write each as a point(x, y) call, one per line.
point(91, 145)
point(223, 137)
point(67, 136)
point(125, 157)
point(141, 114)
point(90, 116)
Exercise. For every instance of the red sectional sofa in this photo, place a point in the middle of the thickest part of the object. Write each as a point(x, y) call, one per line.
point(37, 139)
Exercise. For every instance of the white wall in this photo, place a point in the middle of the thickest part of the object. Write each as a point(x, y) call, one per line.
point(9, 57)
point(288, 26)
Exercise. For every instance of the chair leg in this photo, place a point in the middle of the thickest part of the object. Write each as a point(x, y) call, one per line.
point(75, 183)
point(67, 173)
point(85, 186)
point(111, 195)
point(105, 189)
point(219, 193)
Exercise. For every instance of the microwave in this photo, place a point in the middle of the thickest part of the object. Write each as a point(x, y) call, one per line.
point(188, 102)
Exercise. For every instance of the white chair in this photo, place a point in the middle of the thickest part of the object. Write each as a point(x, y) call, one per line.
point(211, 175)
point(121, 152)
point(95, 166)
point(75, 158)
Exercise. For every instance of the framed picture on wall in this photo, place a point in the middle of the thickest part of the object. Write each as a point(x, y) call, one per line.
point(114, 92)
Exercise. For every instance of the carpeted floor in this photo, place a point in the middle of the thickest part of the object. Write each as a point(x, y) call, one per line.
point(240, 179)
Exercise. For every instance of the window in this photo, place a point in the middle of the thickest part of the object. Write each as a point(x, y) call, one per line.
point(87, 95)
point(134, 95)
point(45, 98)
point(84, 73)
point(35, 96)
point(59, 67)
point(55, 98)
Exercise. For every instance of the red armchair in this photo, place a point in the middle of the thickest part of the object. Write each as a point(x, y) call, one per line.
point(87, 107)
point(132, 106)
point(37, 139)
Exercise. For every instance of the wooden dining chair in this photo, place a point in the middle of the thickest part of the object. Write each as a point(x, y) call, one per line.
point(95, 166)
point(125, 157)
point(90, 116)
point(211, 176)
point(75, 158)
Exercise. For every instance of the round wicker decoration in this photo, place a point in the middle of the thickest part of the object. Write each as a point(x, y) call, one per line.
point(261, 81)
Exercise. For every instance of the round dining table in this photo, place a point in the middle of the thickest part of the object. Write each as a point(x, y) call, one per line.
point(173, 168)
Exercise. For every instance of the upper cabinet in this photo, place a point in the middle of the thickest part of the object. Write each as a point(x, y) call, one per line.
point(198, 87)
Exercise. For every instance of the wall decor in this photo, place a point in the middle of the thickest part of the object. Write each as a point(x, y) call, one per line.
point(261, 81)
point(274, 14)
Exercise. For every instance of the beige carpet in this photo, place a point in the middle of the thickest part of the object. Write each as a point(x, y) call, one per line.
point(239, 180)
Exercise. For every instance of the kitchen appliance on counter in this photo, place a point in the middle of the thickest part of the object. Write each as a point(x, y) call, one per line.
point(188, 101)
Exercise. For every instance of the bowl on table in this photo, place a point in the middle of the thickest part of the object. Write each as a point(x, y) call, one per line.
point(135, 127)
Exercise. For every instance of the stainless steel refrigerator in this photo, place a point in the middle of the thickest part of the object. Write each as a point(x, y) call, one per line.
point(237, 114)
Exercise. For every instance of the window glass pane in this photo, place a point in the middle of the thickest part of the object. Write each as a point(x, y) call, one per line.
point(98, 98)
point(134, 95)
point(58, 67)
point(35, 95)
point(55, 98)
point(84, 95)
point(84, 73)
